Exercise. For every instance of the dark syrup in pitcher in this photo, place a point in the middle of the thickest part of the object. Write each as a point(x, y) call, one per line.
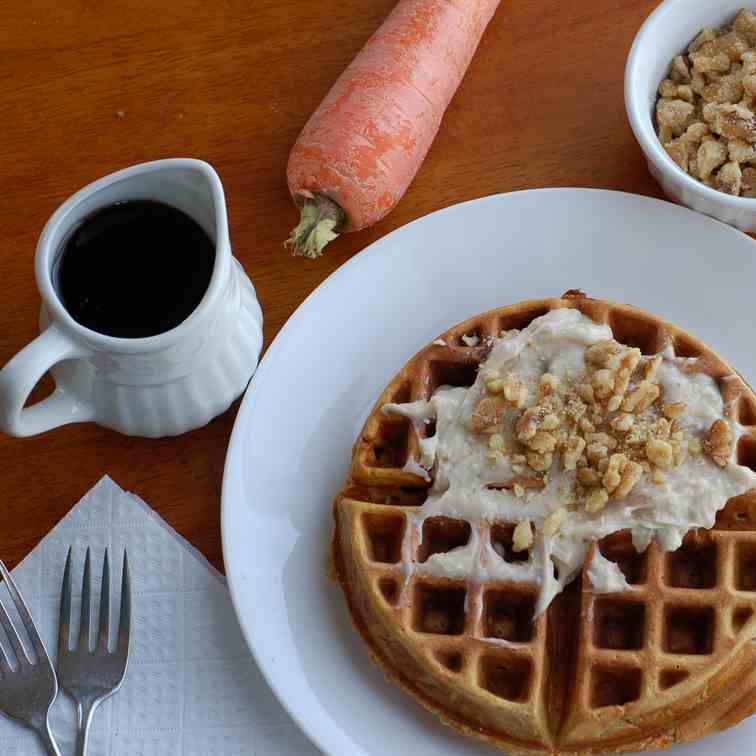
point(134, 269)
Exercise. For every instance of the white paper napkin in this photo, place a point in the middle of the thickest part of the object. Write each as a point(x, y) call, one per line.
point(192, 688)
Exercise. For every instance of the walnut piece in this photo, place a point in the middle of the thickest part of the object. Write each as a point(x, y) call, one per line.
point(659, 452)
point(522, 538)
point(719, 442)
point(596, 500)
point(554, 521)
point(488, 416)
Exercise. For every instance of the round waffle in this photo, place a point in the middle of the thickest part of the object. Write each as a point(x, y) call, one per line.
point(667, 661)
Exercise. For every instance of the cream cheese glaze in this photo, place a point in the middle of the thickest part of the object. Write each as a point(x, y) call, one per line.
point(464, 474)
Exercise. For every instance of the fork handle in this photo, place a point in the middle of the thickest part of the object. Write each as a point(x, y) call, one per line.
point(85, 713)
point(48, 740)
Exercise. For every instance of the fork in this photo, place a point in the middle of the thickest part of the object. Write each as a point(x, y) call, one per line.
point(27, 692)
point(92, 676)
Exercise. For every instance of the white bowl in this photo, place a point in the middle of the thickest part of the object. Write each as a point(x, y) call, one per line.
point(664, 34)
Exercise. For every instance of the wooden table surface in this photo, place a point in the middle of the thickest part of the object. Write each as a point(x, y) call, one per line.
point(87, 88)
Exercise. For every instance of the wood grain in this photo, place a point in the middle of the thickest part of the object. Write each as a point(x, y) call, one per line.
point(87, 88)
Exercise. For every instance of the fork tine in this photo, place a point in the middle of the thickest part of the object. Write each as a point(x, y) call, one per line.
point(5, 667)
point(64, 623)
point(124, 624)
point(86, 606)
point(104, 624)
point(24, 613)
point(12, 635)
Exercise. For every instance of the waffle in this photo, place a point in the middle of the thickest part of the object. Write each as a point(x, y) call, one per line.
point(667, 661)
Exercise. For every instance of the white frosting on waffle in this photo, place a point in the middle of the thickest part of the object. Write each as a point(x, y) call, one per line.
point(464, 475)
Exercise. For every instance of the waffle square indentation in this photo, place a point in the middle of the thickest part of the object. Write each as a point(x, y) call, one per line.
point(636, 330)
point(746, 411)
point(746, 452)
point(507, 677)
point(618, 548)
point(668, 678)
point(390, 446)
point(521, 318)
point(501, 542)
point(689, 630)
point(693, 565)
point(740, 616)
point(389, 589)
point(686, 347)
point(442, 534)
point(745, 567)
point(450, 659)
point(383, 534)
point(614, 686)
point(439, 609)
point(619, 624)
point(460, 374)
point(508, 615)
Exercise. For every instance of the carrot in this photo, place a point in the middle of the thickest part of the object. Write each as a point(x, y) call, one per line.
point(361, 148)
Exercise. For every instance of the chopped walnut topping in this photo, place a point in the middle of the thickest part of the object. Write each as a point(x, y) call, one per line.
point(604, 354)
point(659, 452)
point(527, 425)
point(642, 397)
point(719, 442)
point(542, 442)
point(596, 500)
point(706, 110)
point(612, 475)
point(658, 477)
point(622, 423)
point(496, 442)
point(586, 425)
point(572, 451)
point(539, 462)
point(554, 521)
point(609, 423)
point(679, 70)
point(471, 340)
point(488, 416)
point(522, 538)
point(614, 403)
point(729, 179)
point(548, 384)
point(603, 383)
point(585, 390)
point(595, 452)
point(748, 183)
point(675, 114)
point(631, 474)
point(588, 476)
point(674, 410)
point(601, 438)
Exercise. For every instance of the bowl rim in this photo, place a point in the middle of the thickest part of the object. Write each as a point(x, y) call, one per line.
point(636, 113)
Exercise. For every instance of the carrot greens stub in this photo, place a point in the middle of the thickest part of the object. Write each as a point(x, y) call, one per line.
point(361, 148)
point(320, 222)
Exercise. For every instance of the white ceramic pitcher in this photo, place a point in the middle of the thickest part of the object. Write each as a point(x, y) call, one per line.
point(156, 386)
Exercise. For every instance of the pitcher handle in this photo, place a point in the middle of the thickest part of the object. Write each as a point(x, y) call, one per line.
point(20, 376)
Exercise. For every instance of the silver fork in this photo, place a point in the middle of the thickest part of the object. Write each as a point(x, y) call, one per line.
point(91, 676)
point(28, 690)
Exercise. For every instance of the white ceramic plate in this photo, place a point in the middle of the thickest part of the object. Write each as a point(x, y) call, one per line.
point(291, 445)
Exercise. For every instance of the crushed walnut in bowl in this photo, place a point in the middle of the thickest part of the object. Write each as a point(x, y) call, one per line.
point(706, 111)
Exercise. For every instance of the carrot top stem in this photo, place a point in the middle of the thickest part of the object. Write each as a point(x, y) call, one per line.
point(320, 221)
